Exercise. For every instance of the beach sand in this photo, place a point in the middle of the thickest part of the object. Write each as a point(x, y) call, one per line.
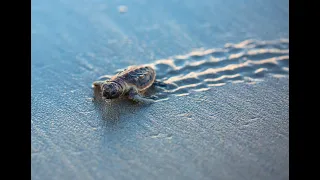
point(223, 115)
point(236, 131)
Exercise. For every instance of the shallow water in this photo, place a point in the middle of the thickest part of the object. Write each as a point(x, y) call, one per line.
point(225, 113)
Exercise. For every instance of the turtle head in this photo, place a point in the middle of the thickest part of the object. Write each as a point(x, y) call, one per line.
point(111, 90)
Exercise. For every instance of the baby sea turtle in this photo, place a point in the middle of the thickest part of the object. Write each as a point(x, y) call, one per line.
point(131, 82)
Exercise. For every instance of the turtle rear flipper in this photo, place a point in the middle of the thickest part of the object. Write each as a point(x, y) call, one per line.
point(159, 83)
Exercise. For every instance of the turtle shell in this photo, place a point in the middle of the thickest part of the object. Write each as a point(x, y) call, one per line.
point(140, 76)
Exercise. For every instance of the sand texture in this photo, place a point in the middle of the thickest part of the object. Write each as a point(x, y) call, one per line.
point(223, 114)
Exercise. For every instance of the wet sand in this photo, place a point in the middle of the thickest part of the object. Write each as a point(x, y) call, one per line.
point(222, 115)
point(237, 131)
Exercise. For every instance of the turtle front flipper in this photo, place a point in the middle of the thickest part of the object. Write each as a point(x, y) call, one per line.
point(136, 97)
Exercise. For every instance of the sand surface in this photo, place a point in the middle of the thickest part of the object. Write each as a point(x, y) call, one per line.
point(237, 131)
point(222, 115)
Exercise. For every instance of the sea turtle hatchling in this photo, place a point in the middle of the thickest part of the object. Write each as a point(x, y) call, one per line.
point(131, 82)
